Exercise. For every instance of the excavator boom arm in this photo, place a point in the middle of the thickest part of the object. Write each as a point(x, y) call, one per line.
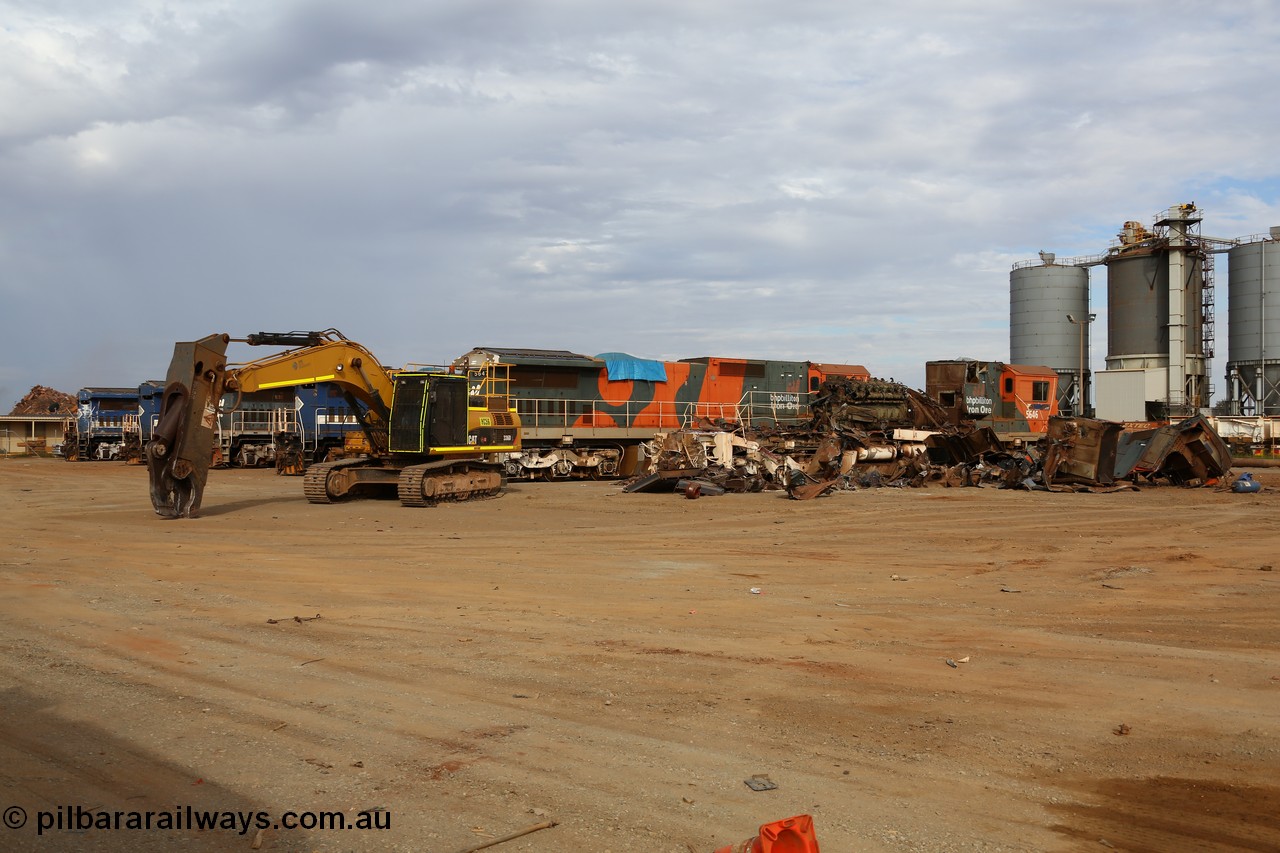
point(342, 362)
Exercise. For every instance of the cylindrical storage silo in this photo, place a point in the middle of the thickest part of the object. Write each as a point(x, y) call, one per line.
point(1138, 308)
point(1040, 300)
point(1253, 330)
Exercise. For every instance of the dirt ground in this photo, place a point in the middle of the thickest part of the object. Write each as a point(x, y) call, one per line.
point(571, 653)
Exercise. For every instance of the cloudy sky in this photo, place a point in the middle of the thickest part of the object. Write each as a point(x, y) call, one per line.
point(835, 181)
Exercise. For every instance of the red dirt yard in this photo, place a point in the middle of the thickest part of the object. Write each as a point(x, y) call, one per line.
point(571, 653)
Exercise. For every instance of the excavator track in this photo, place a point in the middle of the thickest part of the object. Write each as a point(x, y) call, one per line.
point(434, 482)
point(315, 483)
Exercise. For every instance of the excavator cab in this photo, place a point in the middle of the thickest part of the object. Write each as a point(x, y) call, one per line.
point(448, 413)
point(429, 410)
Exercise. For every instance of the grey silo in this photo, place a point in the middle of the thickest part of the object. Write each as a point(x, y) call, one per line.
point(1138, 308)
point(1040, 299)
point(1253, 329)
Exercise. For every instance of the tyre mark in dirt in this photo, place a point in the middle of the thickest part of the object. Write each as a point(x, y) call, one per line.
point(386, 691)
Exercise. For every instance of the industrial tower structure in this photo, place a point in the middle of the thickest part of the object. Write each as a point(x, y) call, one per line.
point(1160, 320)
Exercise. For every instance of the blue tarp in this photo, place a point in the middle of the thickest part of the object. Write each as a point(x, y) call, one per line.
point(620, 366)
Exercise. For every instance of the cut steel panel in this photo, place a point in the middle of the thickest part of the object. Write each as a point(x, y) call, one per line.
point(1081, 450)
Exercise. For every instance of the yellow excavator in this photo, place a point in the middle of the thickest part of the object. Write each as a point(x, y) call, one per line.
point(433, 434)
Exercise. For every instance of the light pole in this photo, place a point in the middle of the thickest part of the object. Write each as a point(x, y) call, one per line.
point(1083, 323)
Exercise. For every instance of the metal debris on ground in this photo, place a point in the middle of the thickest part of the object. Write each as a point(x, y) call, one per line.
point(698, 488)
point(1083, 454)
point(294, 619)
point(760, 782)
point(875, 434)
point(520, 833)
point(1245, 484)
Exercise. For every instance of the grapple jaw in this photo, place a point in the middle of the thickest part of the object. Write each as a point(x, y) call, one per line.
point(181, 446)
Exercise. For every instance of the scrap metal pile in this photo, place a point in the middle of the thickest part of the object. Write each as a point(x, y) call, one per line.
point(41, 400)
point(867, 434)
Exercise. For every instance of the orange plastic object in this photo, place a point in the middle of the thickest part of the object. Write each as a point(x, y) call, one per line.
point(790, 835)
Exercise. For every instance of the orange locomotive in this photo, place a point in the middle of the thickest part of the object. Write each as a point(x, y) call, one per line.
point(585, 416)
point(1016, 400)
